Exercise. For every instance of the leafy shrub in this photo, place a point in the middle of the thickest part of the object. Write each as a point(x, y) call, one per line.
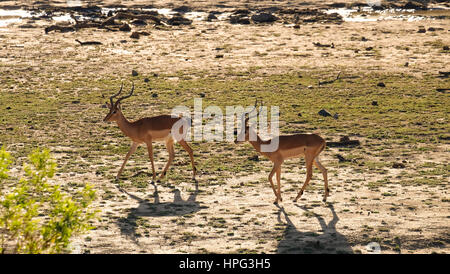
point(35, 215)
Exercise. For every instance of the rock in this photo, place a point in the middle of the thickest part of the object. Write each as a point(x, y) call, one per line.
point(341, 158)
point(239, 19)
point(324, 113)
point(406, 64)
point(211, 16)
point(264, 18)
point(135, 35)
point(344, 142)
point(146, 80)
point(182, 9)
point(431, 29)
point(139, 22)
point(374, 103)
point(336, 116)
point(154, 95)
point(8, 108)
point(125, 27)
point(445, 48)
point(296, 26)
point(398, 165)
point(414, 5)
point(254, 158)
point(134, 73)
point(202, 95)
point(422, 30)
point(381, 84)
point(178, 20)
point(109, 22)
point(219, 56)
point(75, 101)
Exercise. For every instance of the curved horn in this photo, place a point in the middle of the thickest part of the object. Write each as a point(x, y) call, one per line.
point(125, 97)
point(111, 98)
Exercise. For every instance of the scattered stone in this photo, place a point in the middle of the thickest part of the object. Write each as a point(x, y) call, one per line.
point(369, 48)
point(254, 158)
point(109, 22)
point(219, 56)
point(324, 113)
point(381, 84)
point(264, 18)
point(182, 9)
point(125, 27)
point(211, 16)
point(398, 165)
point(341, 158)
point(239, 19)
point(406, 64)
point(422, 30)
point(296, 26)
point(146, 80)
point(374, 103)
point(139, 22)
point(154, 95)
point(415, 5)
point(344, 142)
point(75, 101)
point(135, 35)
point(202, 95)
point(134, 73)
point(178, 20)
point(431, 29)
point(317, 44)
point(336, 116)
point(87, 43)
point(445, 48)
point(59, 28)
point(444, 74)
point(8, 108)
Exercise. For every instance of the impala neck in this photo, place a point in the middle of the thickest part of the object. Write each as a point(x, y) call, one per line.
point(256, 144)
point(124, 125)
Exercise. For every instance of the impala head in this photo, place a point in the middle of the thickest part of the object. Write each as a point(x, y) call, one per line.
point(114, 108)
point(244, 135)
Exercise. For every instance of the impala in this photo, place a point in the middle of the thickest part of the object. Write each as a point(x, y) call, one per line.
point(148, 130)
point(289, 146)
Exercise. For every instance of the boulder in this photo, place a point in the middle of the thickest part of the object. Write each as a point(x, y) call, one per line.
point(264, 17)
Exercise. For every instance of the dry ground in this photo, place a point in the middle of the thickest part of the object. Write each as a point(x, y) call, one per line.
point(54, 89)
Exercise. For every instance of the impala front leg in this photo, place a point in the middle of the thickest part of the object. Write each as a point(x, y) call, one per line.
point(132, 150)
point(275, 168)
point(150, 155)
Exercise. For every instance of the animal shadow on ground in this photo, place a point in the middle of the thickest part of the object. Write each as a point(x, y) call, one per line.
point(297, 242)
point(179, 207)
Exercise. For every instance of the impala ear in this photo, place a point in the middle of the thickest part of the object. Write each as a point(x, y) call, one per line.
point(107, 104)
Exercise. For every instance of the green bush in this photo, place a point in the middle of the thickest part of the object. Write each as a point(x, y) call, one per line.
point(35, 215)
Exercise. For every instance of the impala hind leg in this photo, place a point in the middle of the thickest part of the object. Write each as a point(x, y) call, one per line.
point(132, 150)
point(278, 183)
point(150, 155)
point(325, 177)
point(309, 164)
point(191, 155)
point(169, 145)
